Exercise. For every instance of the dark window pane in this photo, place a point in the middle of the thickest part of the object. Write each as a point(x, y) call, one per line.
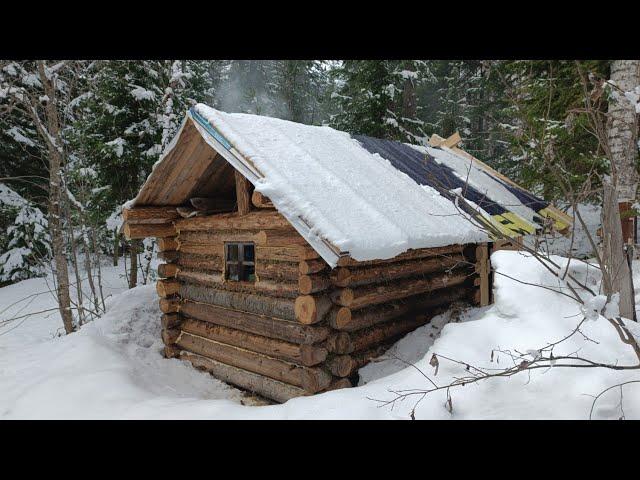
point(232, 251)
point(249, 253)
point(248, 273)
point(232, 272)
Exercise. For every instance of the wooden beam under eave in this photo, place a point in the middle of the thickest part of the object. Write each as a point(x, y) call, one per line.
point(243, 194)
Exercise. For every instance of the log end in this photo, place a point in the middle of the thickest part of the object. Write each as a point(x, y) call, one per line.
point(167, 270)
point(309, 309)
point(339, 342)
point(342, 365)
point(343, 318)
point(169, 306)
point(171, 351)
point(344, 297)
point(170, 320)
point(305, 284)
point(315, 380)
point(312, 355)
point(339, 384)
point(341, 276)
point(170, 335)
point(166, 288)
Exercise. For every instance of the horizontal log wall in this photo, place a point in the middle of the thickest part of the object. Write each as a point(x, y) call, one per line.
point(265, 386)
point(245, 332)
point(300, 328)
point(310, 379)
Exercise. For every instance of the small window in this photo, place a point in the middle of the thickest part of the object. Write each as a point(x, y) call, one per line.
point(240, 260)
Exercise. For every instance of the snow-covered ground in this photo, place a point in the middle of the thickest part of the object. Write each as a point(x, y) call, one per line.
point(113, 367)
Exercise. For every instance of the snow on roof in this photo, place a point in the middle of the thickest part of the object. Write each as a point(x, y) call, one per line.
point(352, 198)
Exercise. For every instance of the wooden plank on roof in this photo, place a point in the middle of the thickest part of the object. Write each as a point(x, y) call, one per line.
point(556, 213)
point(452, 141)
point(551, 211)
point(436, 140)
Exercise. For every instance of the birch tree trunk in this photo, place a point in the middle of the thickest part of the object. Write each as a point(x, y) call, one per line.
point(622, 139)
point(620, 189)
point(54, 146)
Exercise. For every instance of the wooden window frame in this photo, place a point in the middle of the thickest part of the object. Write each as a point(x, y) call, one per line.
point(240, 262)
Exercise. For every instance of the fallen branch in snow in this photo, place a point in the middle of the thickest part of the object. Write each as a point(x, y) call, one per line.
point(618, 385)
point(532, 360)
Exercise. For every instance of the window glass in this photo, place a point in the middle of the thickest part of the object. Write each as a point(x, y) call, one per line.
point(249, 273)
point(249, 254)
point(232, 272)
point(232, 251)
point(240, 262)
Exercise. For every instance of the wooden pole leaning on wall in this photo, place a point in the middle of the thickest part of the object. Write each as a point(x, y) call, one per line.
point(482, 269)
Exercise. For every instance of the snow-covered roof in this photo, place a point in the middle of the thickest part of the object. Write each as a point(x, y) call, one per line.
point(342, 198)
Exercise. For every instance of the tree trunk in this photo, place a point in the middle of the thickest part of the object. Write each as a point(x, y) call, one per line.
point(55, 198)
point(76, 271)
point(620, 189)
point(617, 274)
point(409, 98)
point(133, 254)
point(116, 247)
point(622, 139)
point(94, 243)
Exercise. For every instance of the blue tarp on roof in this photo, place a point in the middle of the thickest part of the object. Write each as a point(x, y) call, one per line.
point(424, 170)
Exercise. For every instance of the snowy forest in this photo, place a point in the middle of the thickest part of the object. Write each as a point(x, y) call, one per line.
point(79, 139)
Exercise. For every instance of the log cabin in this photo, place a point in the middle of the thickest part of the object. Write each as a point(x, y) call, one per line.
point(295, 254)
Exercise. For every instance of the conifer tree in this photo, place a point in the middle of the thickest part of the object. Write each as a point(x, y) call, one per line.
point(378, 98)
point(548, 99)
point(25, 245)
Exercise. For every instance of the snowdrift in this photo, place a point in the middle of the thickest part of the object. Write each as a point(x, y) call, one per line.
point(113, 367)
